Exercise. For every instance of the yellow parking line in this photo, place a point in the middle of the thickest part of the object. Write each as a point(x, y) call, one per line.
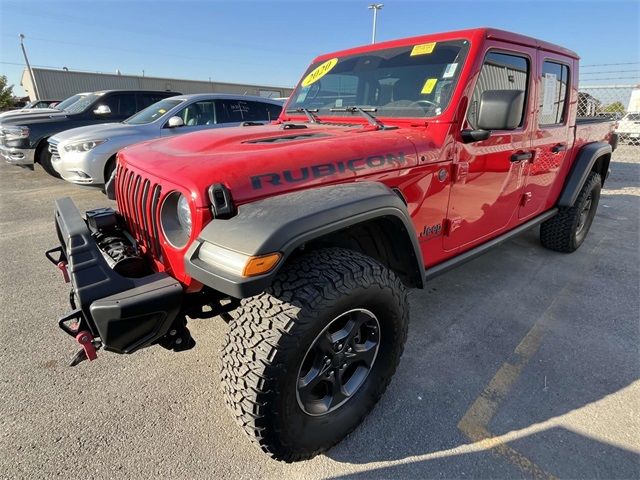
point(475, 422)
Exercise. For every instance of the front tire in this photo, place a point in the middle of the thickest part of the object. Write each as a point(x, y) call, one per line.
point(566, 231)
point(306, 329)
point(44, 159)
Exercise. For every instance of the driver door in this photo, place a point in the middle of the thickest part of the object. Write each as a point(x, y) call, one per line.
point(487, 180)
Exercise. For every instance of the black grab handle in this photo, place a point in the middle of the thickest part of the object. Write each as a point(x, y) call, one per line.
point(519, 157)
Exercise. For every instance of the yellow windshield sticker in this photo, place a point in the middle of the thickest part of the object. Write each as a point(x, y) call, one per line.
point(428, 86)
point(162, 110)
point(319, 72)
point(423, 49)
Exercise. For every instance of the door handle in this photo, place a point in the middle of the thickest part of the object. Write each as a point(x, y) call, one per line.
point(519, 157)
point(561, 147)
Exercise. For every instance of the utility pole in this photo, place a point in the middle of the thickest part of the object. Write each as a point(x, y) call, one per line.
point(33, 80)
point(375, 7)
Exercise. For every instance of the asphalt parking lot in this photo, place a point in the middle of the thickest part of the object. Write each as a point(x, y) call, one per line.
point(522, 363)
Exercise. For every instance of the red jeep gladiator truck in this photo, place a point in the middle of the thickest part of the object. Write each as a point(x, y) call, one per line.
point(390, 164)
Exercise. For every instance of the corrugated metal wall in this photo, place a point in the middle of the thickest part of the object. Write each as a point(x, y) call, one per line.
point(60, 84)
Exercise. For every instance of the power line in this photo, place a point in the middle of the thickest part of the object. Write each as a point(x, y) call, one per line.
point(610, 71)
point(636, 77)
point(608, 64)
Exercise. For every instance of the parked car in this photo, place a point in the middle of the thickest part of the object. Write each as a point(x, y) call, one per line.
point(87, 155)
point(37, 104)
point(23, 138)
point(629, 128)
point(51, 109)
point(391, 164)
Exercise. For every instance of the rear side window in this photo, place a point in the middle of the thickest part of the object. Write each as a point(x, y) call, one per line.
point(553, 93)
point(500, 71)
point(235, 111)
point(121, 104)
point(146, 99)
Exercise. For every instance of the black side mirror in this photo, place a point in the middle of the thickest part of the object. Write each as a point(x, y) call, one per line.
point(500, 109)
point(470, 136)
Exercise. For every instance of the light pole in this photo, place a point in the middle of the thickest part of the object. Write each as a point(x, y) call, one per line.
point(33, 80)
point(375, 7)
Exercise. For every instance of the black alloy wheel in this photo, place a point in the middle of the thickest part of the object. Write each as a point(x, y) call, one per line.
point(338, 362)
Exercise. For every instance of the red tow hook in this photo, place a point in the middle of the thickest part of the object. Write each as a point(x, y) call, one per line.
point(88, 351)
point(62, 266)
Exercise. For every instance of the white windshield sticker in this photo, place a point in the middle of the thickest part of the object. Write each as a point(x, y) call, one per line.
point(550, 94)
point(338, 102)
point(450, 70)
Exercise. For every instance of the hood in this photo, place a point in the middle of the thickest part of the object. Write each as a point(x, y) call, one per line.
point(96, 132)
point(25, 111)
point(257, 161)
point(32, 117)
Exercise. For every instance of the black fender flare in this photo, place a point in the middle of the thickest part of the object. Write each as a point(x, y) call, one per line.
point(582, 166)
point(287, 222)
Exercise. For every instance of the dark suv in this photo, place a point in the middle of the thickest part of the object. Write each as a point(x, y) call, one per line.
point(23, 139)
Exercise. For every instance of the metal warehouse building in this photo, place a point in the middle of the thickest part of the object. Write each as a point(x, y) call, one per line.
point(60, 84)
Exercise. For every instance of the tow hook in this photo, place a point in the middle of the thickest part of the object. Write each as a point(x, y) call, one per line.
point(62, 266)
point(89, 348)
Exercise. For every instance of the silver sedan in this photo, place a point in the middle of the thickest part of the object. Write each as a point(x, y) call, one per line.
point(86, 155)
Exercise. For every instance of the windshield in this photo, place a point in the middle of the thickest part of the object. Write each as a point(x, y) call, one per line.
point(411, 81)
point(152, 112)
point(81, 103)
point(70, 101)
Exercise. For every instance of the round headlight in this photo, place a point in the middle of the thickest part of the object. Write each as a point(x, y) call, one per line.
point(175, 219)
point(184, 214)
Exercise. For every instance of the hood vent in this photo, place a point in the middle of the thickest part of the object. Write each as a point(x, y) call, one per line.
point(288, 138)
point(292, 126)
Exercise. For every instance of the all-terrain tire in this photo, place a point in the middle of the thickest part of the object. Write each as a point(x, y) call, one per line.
point(566, 231)
point(44, 159)
point(272, 332)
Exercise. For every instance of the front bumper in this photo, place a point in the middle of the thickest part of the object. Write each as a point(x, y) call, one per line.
point(18, 156)
point(126, 314)
point(82, 168)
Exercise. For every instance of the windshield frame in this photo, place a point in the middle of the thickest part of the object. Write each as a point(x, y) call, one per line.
point(464, 59)
point(180, 101)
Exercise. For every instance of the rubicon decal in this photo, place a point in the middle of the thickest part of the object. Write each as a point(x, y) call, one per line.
point(325, 169)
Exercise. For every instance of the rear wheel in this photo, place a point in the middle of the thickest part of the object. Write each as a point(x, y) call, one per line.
point(305, 362)
point(44, 159)
point(566, 231)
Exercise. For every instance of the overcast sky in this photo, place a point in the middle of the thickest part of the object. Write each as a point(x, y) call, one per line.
point(272, 42)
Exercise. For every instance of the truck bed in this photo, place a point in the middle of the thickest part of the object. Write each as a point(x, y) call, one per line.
point(593, 129)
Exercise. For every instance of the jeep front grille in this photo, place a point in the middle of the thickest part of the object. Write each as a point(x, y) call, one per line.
point(139, 203)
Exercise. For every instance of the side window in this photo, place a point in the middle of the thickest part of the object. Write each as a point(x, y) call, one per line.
point(234, 111)
point(273, 111)
point(147, 99)
point(553, 93)
point(500, 71)
point(198, 113)
point(261, 112)
point(121, 104)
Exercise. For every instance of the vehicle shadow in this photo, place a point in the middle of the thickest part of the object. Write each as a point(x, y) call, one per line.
point(467, 323)
point(612, 461)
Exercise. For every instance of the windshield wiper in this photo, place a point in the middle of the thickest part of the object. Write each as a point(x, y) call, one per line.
point(310, 113)
point(364, 112)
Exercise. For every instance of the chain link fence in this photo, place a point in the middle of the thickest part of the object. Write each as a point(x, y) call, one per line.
point(613, 91)
point(619, 102)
